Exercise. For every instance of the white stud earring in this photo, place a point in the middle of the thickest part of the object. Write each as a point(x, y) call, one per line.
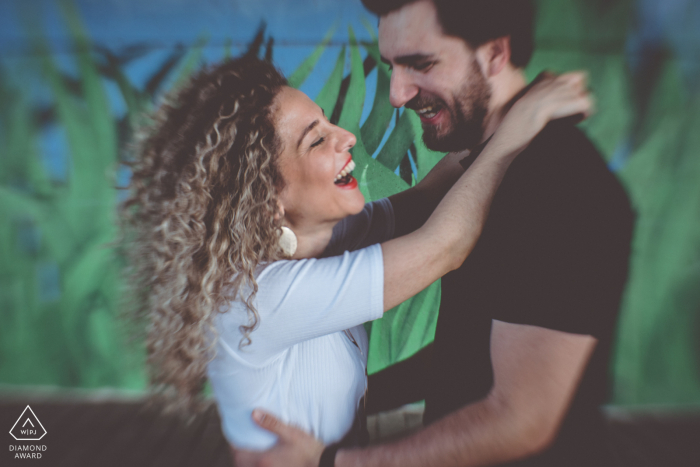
point(288, 241)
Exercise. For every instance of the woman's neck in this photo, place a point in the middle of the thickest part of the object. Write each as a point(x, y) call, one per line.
point(312, 241)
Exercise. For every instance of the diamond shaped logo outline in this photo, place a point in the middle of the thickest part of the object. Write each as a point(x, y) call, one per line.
point(35, 418)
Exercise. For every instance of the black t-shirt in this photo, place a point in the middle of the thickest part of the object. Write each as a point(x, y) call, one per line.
point(554, 253)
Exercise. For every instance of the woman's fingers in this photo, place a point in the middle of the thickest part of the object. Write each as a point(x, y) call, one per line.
point(549, 98)
point(574, 81)
point(566, 95)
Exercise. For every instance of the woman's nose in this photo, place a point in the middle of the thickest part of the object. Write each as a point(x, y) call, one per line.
point(345, 141)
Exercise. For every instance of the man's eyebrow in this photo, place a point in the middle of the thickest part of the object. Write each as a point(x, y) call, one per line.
point(408, 59)
point(306, 131)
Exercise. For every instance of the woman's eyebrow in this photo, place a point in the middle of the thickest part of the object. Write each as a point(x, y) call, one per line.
point(306, 132)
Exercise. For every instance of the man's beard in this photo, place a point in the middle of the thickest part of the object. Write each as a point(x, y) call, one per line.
point(467, 113)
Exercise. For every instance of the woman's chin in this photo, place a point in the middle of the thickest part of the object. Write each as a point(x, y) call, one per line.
point(351, 190)
point(358, 201)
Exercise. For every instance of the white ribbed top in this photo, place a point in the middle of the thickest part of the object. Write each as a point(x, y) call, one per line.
point(300, 365)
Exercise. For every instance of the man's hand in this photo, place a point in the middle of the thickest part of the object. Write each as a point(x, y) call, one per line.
point(294, 448)
point(536, 373)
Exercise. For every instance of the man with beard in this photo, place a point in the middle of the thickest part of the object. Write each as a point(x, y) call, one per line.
point(519, 365)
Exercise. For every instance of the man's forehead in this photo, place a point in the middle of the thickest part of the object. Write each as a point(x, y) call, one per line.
point(410, 30)
point(412, 14)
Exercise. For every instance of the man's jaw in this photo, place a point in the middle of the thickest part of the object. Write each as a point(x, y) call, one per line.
point(449, 129)
point(435, 119)
point(446, 134)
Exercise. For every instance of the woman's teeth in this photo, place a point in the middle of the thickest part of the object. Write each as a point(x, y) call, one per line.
point(348, 168)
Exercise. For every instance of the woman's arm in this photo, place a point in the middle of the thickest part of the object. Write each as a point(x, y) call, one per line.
point(414, 261)
point(412, 207)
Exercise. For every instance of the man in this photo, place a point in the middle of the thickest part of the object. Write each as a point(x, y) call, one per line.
point(519, 365)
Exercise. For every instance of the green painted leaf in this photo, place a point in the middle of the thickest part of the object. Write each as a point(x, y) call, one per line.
point(227, 48)
point(192, 60)
point(101, 118)
point(404, 329)
point(370, 29)
point(303, 71)
point(21, 159)
point(380, 116)
point(375, 180)
point(398, 143)
point(135, 102)
point(328, 95)
point(425, 158)
point(355, 97)
point(373, 50)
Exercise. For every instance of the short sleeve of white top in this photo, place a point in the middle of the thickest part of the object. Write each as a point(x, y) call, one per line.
point(300, 365)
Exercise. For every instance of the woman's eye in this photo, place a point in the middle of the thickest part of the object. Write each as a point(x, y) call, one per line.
point(318, 142)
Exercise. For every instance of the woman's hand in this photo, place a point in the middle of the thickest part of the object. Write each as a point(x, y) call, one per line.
point(549, 98)
point(414, 261)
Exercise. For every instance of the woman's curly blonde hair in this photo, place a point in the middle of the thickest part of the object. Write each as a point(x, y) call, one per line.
point(201, 217)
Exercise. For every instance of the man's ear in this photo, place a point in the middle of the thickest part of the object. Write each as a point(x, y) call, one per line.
point(494, 55)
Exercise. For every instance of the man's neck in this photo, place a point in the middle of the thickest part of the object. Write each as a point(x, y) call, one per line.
point(505, 92)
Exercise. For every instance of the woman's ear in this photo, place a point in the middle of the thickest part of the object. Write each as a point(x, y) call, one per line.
point(279, 215)
point(494, 55)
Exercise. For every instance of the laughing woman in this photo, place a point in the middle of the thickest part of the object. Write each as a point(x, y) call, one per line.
point(257, 259)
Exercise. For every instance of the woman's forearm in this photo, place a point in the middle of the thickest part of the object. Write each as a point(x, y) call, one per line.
point(461, 214)
point(414, 261)
point(412, 207)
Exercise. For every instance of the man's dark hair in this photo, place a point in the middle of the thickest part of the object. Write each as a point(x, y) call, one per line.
point(479, 21)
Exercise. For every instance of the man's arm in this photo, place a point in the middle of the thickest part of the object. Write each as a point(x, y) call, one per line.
point(536, 373)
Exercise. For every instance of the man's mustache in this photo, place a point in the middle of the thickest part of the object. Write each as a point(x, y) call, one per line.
point(420, 102)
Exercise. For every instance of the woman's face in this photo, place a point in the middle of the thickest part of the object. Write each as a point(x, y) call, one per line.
point(315, 156)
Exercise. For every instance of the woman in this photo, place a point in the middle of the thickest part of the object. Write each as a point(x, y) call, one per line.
point(258, 260)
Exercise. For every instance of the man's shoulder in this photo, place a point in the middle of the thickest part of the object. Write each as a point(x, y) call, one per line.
point(563, 152)
point(562, 138)
point(563, 171)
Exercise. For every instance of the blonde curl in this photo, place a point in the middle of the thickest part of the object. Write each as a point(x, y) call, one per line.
point(200, 218)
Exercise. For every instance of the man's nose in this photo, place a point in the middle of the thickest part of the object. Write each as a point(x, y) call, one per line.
point(402, 88)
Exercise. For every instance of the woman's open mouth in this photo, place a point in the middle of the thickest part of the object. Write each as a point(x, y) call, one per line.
point(344, 177)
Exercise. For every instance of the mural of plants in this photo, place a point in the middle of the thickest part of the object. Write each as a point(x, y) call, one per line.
point(60, 277)
point(60, 274)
